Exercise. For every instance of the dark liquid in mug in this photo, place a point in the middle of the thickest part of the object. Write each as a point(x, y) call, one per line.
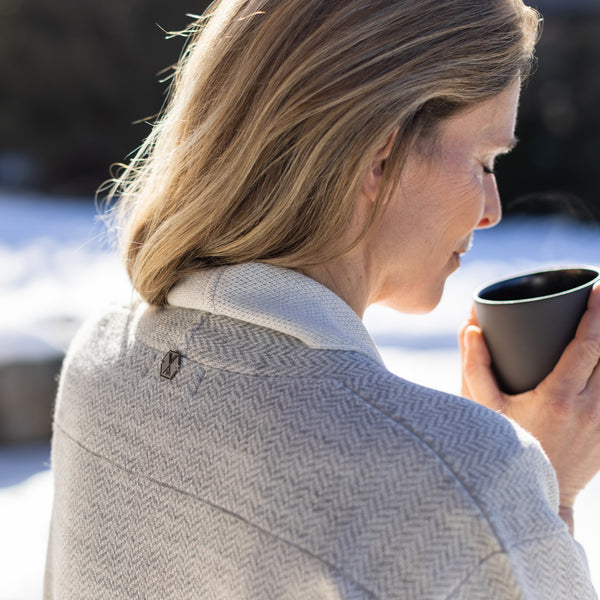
point(537, 285)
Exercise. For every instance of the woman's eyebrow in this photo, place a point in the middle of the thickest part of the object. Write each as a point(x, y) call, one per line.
point(501, 146)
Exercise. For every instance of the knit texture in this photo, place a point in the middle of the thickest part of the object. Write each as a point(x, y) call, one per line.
point(279, 463)
point(278, 299)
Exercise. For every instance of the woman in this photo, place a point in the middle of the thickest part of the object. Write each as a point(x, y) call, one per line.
point(235, 434)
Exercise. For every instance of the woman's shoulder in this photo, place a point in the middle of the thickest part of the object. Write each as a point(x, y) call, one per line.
point(100, 332)
point(497, 464)
point(115, 330)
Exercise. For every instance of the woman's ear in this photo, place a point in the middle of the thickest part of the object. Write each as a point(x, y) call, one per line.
point(372, 179)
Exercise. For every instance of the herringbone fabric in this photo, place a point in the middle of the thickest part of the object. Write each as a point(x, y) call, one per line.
point(283, 461)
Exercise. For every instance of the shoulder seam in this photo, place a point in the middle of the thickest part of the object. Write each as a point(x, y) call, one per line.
point(506, 553)
point(466, 578)
point(441, 459)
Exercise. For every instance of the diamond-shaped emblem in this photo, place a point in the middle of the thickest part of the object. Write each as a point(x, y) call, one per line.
point(170, 364)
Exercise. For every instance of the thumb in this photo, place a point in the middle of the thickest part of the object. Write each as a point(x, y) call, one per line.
point(478, 377)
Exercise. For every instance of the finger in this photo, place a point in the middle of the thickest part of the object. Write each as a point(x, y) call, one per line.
point(594, 299)
point(577, 367)
point(594, 381)
point(477, 370)
point(471, 320)
point(592, 396)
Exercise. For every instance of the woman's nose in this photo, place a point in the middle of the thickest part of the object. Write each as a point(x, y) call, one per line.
point(492, 212)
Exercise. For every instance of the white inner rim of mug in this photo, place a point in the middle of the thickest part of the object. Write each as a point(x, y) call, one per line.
point(526, 287)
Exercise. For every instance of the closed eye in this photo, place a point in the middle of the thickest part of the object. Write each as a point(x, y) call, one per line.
point(502, 151)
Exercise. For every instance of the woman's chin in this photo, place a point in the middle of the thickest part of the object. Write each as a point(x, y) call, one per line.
point(418, 305)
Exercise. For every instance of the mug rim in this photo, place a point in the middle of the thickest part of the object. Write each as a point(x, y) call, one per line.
point(478, 299)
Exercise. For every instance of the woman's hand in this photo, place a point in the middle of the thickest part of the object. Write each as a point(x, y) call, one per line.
point(562, 412)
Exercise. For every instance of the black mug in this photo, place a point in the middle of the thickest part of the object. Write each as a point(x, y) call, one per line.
point(527, 320)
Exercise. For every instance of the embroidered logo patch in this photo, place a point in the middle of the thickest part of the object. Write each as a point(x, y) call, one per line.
point(170, 364)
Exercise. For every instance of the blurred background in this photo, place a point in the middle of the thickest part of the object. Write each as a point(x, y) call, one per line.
point(76, 76)
point(80, 83)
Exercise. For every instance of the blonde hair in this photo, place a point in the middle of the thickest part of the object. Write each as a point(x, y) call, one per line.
point(278, 106)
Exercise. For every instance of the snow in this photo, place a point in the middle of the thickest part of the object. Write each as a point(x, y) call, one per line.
point(58, 267)
point(25, 505)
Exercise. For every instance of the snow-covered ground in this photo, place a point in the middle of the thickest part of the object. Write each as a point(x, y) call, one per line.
point(57, 268)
